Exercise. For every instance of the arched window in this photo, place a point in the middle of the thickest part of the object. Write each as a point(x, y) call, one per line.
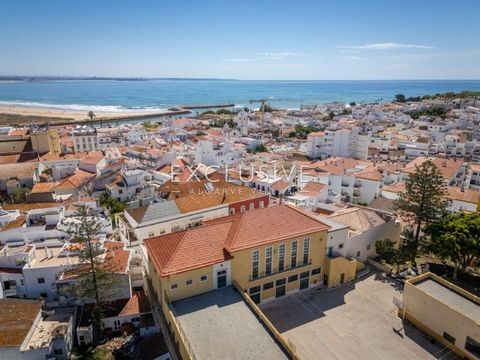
point(242, 208)
point(251, 206)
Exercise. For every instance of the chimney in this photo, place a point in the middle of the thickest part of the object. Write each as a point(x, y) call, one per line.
point(280, 201)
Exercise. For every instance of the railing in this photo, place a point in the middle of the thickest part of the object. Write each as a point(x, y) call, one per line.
point(275, 271)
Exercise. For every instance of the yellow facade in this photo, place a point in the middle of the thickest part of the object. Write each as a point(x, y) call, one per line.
point(423, 310)
point(341, 270)
point(242, 266)
point(46, 141)
point(308, 270)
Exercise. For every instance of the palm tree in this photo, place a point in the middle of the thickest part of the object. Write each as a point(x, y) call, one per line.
point(91, 115)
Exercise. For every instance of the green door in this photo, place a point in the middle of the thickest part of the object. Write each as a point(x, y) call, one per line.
point(280, 291)
point(304, 283)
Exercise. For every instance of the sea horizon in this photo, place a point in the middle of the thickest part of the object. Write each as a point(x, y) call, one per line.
point(157, 94)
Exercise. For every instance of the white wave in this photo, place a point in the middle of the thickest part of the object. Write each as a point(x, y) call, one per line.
point(84, 107)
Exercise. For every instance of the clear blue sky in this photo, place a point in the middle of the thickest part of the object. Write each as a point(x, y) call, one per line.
point(357, 39)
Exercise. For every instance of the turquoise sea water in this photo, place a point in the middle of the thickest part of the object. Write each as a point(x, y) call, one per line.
point(160, 94)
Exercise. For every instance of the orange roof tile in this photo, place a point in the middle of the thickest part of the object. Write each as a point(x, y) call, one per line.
point(214, 241)
point(16, 319)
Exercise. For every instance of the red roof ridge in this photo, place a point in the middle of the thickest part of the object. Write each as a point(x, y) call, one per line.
point(301, 211)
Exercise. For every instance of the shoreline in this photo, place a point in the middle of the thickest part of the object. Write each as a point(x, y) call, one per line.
point(25, 115)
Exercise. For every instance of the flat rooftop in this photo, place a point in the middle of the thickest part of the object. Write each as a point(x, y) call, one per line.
point(53, 259)
point(220, 325)
point(54, 325)
point(450, 298)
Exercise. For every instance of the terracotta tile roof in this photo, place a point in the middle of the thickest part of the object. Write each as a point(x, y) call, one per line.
point(467, 195)
point(16, 319)
point(44, 187)
point(214, 241)
point(357, 219)
point(312, 188)
point(193, 196)
point(116, 261)
point(137, 304)
point(17, 170)
point(369, 174)
point(447, 167)
point(280, 185)
point(77, 180)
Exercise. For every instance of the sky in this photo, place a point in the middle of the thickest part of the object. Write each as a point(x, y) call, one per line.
point(271, 40)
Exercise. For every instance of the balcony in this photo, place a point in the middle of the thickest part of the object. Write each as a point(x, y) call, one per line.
point(356, 185)
point(275, 271)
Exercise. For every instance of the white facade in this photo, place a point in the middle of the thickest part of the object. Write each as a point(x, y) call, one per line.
point(344, 142)
point(217, 153)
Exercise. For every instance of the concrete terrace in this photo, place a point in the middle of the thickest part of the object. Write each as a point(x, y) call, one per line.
point(220, 325)
point(355, 321)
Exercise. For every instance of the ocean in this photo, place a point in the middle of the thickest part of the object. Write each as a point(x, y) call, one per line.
point(131, 95)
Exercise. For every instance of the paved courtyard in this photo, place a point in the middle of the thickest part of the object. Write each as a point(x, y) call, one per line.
point(219, 325)
point(355, 321)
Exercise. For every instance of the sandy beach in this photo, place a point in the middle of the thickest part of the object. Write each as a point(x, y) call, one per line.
point(52, 112)
point(20, 115)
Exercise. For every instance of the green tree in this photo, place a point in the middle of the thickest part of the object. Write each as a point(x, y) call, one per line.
point(423, 199)
point(385, 249)
point(93, 279)
point(400, 98)
point(20, 195)
point(455, 238)
point(114, 206)
point(92, 116)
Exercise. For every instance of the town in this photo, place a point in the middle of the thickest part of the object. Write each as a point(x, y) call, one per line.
point(333, 231)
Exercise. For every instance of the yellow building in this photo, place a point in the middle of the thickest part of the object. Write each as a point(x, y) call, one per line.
point(446, 312)
point(267, 253)
point(47, 141)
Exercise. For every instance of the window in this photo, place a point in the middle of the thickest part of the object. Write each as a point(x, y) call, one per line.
point(268, 261)
point(203, 278)
point(280, 282)
point(232, 211)
point(304, 275)
point(306, 248)
point(116, 325)
point(261, 204)
point(358, 253)
point(268, 285)
point(120, 191)
point(242, 208)
point(41, 280)
point(173, 286)
point(473, 346)
point(254, 290)
point(150, 234)
point(189, 282)
point(281, 257)
point(255, 264)
point(448, 337)
point(44, 295)
point(369, 247)
point(292, 278)
point(340, 246)
point(251, 206)
point(293, 257)
point(316, 271)
point(21, 282)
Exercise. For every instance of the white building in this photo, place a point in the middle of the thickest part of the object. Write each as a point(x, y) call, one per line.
point(217, 153)
point(338, 142)
point(354, 232)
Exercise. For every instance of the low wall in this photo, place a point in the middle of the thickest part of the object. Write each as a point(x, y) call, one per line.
point(381, 267)
point(286, 345)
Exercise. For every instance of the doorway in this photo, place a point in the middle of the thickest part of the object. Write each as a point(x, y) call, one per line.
point(221, 279)
point(342, 278)
point(304, 283)
point(280, 291)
